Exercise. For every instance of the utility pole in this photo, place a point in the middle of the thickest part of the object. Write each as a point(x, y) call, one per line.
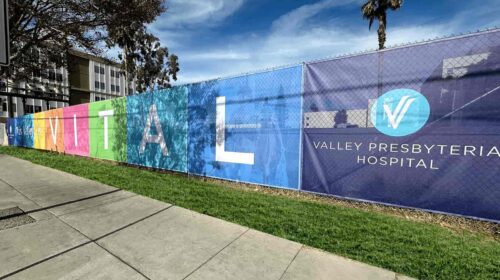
point(4, 33)
point(5, 46)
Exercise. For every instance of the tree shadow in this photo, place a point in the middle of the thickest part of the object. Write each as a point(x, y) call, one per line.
point(171, 110)
point(202, 124)
point(119, 147)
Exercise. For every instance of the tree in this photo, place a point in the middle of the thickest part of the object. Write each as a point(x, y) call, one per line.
point(143, 56)
point(147, 61)
point(150, 63)
point(43, 31)
point(377, 9)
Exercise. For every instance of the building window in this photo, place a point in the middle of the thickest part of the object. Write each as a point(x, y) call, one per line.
point(28, 109)
point(37, 73)
point(52, 75)
point(44, 74)
point(103, 85)
point(97, 98)
point(97, 85)
point(38, 109)
point(98, 69)
point(112, 73)
point(115, 88)
point(4, 105)
point(3, 86)
point(59, 77)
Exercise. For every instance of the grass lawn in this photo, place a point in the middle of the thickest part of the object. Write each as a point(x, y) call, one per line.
point(416, 249)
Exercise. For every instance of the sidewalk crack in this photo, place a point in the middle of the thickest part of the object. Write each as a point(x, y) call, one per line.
point(293, 259)
point(90, 240)
point(209, 259)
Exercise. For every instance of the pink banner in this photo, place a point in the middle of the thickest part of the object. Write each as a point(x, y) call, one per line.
point(76, 133)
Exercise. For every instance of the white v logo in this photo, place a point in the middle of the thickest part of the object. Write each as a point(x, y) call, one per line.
point(397, 116)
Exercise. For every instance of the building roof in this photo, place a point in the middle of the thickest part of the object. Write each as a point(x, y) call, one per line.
point(96, 58)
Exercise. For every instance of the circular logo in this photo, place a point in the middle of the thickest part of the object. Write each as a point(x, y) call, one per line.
point(400, 112)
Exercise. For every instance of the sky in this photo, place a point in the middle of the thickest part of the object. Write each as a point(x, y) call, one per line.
point(220, 38)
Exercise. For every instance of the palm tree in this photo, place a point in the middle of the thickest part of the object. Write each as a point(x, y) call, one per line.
point(377, 9)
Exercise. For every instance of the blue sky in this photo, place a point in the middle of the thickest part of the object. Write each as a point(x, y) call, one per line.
point(218, 38)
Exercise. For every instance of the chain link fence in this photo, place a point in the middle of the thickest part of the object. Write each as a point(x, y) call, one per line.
point(362, 141)
point(414, 126)
point(247, 128)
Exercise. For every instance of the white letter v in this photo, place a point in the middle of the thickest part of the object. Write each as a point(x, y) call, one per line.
point(397, 116)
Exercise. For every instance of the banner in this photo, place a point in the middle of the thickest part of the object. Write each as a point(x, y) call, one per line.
point(25, 131)
point(416, 126)
point(20, 131)
point(108, 129)
point(3, 135)
point(54, 130)
point(10, 127)
point(157, 129)
point(76, 130)
point(247, 128)
point(39, 130)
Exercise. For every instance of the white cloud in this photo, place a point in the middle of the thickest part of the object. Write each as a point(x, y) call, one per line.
point(219, 55)
point(296, 37)
point(285, 48)
point(186, 13)
point(296, 18)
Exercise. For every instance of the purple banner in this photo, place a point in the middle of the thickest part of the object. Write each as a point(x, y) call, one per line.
point(416, 126)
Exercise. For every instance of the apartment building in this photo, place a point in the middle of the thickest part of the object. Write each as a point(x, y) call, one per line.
point(88, 78)
point(45, 90)
point(94, 79)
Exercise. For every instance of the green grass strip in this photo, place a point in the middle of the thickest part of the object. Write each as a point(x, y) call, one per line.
point(416, 249)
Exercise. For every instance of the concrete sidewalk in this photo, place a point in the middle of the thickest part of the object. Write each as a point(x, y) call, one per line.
point(79, 229)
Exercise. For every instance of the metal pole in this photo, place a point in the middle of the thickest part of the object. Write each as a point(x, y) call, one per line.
point(9, 98)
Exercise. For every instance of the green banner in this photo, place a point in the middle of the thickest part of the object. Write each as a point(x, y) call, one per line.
point(108, 129)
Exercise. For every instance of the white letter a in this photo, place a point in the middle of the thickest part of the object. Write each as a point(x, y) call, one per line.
point(158, 139)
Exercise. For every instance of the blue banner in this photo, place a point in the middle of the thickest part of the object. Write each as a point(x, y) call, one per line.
point(416, 126)
point(25, 131)
point(247, 128)
point(11, 131)
point(20, 131)
point(157, 129)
